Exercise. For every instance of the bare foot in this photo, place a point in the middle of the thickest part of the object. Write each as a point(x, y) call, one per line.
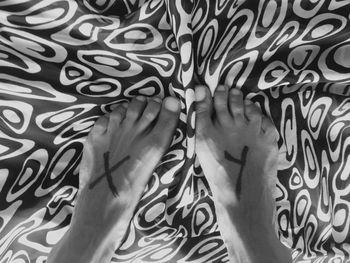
point(232, 135)
point(120, 154)
point(237, 149)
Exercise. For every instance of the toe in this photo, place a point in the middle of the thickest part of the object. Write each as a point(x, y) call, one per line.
point(117, 116)
point(269, 129)
point(100, 127)
point(135, 108)
point(167, 121)
point(204, 109)
point(236, 105)
point(253, 114)
point(220, 103)
point(150, 113)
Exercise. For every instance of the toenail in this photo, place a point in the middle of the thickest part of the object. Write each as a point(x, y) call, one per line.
point(141, 98)
point(221, 88)
point(235, 91)
point(200, 92)
point(171, 104)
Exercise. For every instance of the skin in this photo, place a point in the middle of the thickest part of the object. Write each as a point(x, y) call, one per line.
point(237, 148)
point(120, 154)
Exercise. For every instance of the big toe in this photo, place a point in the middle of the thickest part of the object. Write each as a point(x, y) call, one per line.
point(204, 109)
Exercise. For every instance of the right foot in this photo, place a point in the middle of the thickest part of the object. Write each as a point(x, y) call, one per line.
point(130, 141)
point(121, 152)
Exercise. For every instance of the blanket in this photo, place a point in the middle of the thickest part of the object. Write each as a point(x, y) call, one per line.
point(64, 63)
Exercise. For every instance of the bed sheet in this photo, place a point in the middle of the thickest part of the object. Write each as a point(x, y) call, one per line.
point(64, 63)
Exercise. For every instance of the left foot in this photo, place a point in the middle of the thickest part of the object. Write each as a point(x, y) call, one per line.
point(237, 148)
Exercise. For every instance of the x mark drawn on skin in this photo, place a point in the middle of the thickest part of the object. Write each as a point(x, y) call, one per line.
point(108, 174)
point(242, 162)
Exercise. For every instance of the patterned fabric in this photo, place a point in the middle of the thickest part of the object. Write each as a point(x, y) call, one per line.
point(64, 63)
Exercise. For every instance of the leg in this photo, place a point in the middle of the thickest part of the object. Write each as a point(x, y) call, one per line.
point(119, 156)
point(237, 149)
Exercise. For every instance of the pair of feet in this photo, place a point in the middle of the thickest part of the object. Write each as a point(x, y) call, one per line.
point(235, 143)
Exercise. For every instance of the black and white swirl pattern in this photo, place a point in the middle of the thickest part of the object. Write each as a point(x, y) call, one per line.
point(64, 63)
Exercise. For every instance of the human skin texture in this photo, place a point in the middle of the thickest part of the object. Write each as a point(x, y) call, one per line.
point(237, 148)
point(121, 152)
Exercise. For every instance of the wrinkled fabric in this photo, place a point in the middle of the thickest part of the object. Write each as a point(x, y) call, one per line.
point(64, 63)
